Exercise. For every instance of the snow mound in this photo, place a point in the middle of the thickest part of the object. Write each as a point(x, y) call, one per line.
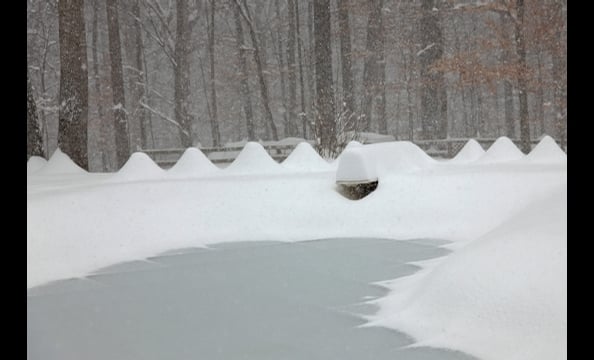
point(253, 158)
point(381, 159)
point(35, 164)
point(471, 151)
point(354, 166)
point(304, 157)
point(547, 150)
point(138, 167)
point(501, 297)
point(60, 163)
point(193, 162)
point(503, 149)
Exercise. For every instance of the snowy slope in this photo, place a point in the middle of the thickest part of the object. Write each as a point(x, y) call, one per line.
point(139, 167)
point(546, 151)
point(253, 159)
point(60, 163)
point(501, 297)
point(305, 158)
point(471, 151)
point(34, 164)
point(502, 150)
point(192, 163)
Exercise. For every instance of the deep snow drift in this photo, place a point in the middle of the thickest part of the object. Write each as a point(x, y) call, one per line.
point(377, 160)
point(470, 152)
point(34, 164)
point(546, 151)
point(192, 163)
point(305, 158)
point(60, 163)
point(138, 167)
point(253, 159)
point(504, 296)
point(500, 294)
point(503, 149)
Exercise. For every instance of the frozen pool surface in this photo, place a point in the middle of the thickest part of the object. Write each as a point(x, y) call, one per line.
point(252, 300)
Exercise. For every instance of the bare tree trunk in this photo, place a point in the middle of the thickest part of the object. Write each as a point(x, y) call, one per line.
point(325, 107)
point(257, 57)
point(122, 140)
point(214, 121)
point(34, 138)
point(282, 69)
point(522, 81)
point(181, 76)
point(510, 128)
point(346, 65)
point(244, 87)
point(371, 71)
point(540, 97)
point(139, 78)
point(74, 92)
point(291, 67)
point(433, 101)
point(301, 82)
point(559, 68)
point(97, 83)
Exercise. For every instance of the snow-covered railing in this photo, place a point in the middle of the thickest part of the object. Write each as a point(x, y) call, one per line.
point(448, 148)
point(168, 157)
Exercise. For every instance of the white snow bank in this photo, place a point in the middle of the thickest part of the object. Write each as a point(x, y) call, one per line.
point(503, 296)
point(305, 158)
point(60, 163)
point(192, 163)
point(471, 151)
point(253, 159)
point(132, 220)
point(503, 149)
point(376, 160)
point(547, 150)
point(34, 164)
point(138, 167)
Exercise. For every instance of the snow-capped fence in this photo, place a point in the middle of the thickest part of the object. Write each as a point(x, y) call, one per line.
point(448, 148)
point(168, 157)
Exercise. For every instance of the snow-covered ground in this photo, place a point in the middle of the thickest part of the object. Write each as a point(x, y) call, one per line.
point(500, 295)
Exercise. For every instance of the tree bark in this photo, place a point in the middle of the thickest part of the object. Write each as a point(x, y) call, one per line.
point(181, 74)
point(303, 114)
point(258, 58)
point(373, 78)
point(433, 95)
point(74, 92)
point(291, 69)
point(522, 81)
point(122, 140)
point(244, 87)
point(346, 65)
point(510, 126)
point(139, 78)
point(325, 107)
point(34, 138)
point(214, 119)
point(282, 68)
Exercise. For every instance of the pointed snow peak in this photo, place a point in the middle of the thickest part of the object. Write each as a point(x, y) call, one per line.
point(60, 163)
point(138, 167)
point(547, 150)
point(471, 151)
point(253, 158)
point(35, 164)
point(193, 162)
point(304, 157)
point(502, 150)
